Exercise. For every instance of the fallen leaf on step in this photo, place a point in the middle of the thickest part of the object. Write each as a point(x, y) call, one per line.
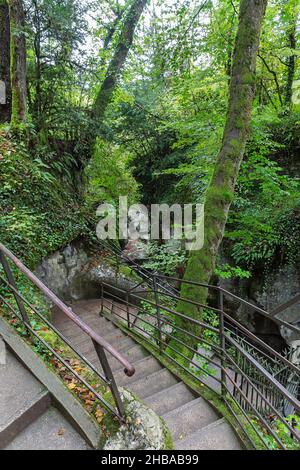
point(99, 415)
point(61, 432)
point(88, 402)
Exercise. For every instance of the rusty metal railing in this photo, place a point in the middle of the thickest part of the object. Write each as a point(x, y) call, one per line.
point(100, 344)
point(259, 385)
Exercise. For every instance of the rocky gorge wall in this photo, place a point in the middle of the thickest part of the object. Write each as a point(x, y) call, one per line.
point(268, 291)
point(75, 273)
point(60, 270)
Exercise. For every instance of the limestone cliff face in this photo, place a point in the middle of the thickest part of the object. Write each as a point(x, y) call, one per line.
point(59, 270)
point(268, 291)
point(74, 273)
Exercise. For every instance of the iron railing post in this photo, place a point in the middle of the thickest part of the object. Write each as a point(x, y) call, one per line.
point(222, 343)
point(101, 294)
point(127, 309)
point(158, 313)
point(110, 377)
point(11, 280)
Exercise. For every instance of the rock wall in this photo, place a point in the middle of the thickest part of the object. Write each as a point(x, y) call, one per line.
point(267, 291)
point(144, 429)
point(74, 273)
point(59, 270)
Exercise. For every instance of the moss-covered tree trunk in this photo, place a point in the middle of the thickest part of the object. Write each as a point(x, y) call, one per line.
point(220, 191)
point(291, 66)
point(119, 57)
point(17, 62)
point(5, 102)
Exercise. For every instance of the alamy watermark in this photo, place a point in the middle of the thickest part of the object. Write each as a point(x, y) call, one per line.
point(159, 221)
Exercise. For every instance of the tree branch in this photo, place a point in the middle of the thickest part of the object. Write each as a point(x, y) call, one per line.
point(272, 72)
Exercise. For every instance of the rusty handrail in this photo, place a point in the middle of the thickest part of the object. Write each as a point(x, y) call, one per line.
point(266, 374)
point(270, 315)
point(128, 367)
point(260, 398)
point(282, 307)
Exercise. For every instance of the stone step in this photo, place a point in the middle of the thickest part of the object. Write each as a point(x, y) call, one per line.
point(192, 421)
point(189, 418)
point(217, 436)
point(132, 354)
point(153, 383)
point(170, 398)
point(87, 305)
point(118, 339)
point(22, 399)
point(51, 431)
point(143, 367)
point(86, 345)
point(115, 337)
point(74, 332)
point(61, 320)
point(123, 344)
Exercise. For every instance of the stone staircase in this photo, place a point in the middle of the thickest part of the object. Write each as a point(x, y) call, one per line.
point(192, 421)
point(28, 419)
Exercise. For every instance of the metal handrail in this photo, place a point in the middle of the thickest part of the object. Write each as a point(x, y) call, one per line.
point(282, 307)
point(266, 374)
point(261, 343)
point(263, 384)
point(151, 278)
point(129, 369)
point(255, 389)
point(271, 316)
point(100, 344)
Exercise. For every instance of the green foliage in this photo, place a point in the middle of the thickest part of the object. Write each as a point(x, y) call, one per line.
point(212, 319)
point(143, 134)
point(55, 30)
point(164, 128)
point(38, 213)
point(281, 431)
point(227, 272)
point(265, 220)
point(107, 175)
point(164, 259)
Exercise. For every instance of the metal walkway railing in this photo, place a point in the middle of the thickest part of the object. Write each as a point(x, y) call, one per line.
point(101, 346)
point(258, 385)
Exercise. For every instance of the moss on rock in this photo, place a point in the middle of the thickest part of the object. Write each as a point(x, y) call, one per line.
point(144, 429)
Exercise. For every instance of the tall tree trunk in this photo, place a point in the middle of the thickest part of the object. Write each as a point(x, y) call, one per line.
point(17, 61)
point(291, 34)
point(37, 54)
point(5, 102)
point(220, 192)
point(119, 57)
